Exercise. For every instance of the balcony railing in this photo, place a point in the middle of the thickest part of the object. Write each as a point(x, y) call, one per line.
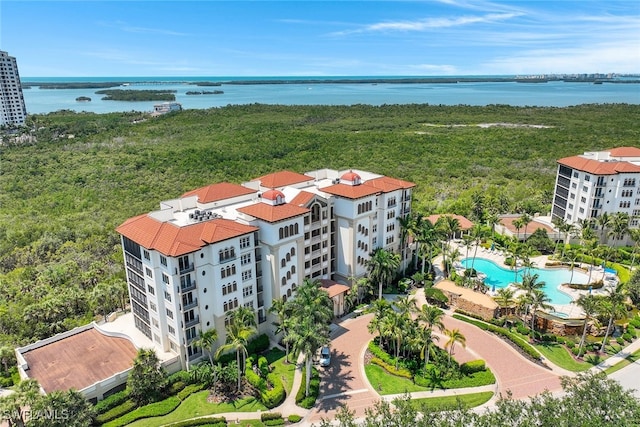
point(190, 305)
point(187, 268)
point(189, 286)
point(192, 322)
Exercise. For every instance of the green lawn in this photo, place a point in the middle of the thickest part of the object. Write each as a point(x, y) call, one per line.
point(470, 400)
point(385, 383)
point(559, 356)
point(196, 405)
point(285, 371)
point(626, 362)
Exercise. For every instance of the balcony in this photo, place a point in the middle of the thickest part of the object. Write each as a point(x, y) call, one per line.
point(190, 305)
point(187, 268)
point(192, 322)
point(188, 286)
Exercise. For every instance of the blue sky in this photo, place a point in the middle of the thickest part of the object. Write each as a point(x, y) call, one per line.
point(320, 38)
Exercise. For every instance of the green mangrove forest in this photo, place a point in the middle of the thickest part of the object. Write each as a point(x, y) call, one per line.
point(68, 179)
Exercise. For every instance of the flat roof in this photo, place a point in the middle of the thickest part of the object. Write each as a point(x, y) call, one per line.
point(79, 360)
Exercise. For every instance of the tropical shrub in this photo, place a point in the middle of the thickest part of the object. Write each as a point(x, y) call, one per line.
point(293, 418)
point(314, 390)
point(204, 421)
point(472, 367)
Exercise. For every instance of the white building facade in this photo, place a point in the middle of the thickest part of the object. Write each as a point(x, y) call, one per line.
point(13, 110)
point(595, 183)
point(216, 248)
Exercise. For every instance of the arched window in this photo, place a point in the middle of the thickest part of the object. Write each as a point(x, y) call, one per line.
point(288, 292)
point(293, 269)
point(288, 256)
point(288, 275)
point(284, 281)
point(296, 228)
point(281, 233)
point(291, 230)
point(283, 263)
point(293, 251)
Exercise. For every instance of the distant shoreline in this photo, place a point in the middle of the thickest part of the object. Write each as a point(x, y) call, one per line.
point(285, 81)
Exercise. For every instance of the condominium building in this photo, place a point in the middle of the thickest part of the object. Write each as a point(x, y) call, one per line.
point(12, 107)
point(219, 247)
point(598, 182)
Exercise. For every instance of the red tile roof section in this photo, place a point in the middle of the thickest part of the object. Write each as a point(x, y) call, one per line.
point(625, 152)
point(465, 224)
point(596, 167)
point(302, 199)
point(79, 361)
point(531, 227)
point(351, 191)
point(387, 184)
point(172, 240)
point(270, 213)
point(333, 288)
point(220, 191)
point(282, 179)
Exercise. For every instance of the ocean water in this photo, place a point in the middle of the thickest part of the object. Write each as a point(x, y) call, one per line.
point(300, 91)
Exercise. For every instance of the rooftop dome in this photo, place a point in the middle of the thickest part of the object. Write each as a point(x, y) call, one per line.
point(351, 177)
point(274, 197)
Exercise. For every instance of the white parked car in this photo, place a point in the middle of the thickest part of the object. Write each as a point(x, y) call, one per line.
point(325, 356)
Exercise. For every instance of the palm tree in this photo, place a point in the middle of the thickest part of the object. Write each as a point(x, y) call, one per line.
point(426, 338)
point(307, 337)
point(492, 219)
point(431, 317)
point(571, 257)
point(406, 306)
point(379, 308)
point(538, 300)
point(382, 266)
point(406, 224)
point(393, 326)
point(416, 231)
point(530, 285)
point(619, 225)
point(241, 327)
point(455, 336)
point(478, 233)
point(518, 223)
point(588, 303)
point(526, 220)
point(613, 304)
point(206, 340)
point(603, 222)
point(504, 297)
point(449, 226)
point(283, 313)
point(427, 236)
point(634, 233)
point(568, 230)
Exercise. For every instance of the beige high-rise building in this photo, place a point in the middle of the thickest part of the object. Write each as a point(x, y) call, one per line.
point(13, 110)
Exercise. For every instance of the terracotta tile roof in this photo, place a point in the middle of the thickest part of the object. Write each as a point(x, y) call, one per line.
point(531, 228)
point(466, 293)
point(333, 288)
point(172, 240)
point(220, 191)
point(625, 152)
point(302, 198)
point(351, 191)
point(282, 179)
point(465, 224)
point(596, 167)
point(271, 213)
point(79, 360)
point(387, 184)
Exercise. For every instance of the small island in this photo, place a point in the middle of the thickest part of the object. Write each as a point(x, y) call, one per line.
point(137, 95)
point(204, 92)
point(83, 99)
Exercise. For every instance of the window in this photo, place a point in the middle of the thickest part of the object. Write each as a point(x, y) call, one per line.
point(575, 174)
point(155, 322)
point(625, 204)
point(146, 255)
point(585, 188)
point(147, 270)
point(245, 259)
point(627, 193)
point(171, 329)
point(227, 271)
point(572, 196)
point(230, 305)
point(587, 177)
point(165, 278)
point(229, 287)
point(153, 307)
point(163, 260)
point(574, 185)
point(167, 296)
point(227, 254)
point(246, 275)
point(169, 314)
point(245, 242)
point(247, 291)
point(151, 289)
point(583, 199)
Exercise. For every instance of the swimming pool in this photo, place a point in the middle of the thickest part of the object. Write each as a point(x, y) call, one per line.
point(501, 277)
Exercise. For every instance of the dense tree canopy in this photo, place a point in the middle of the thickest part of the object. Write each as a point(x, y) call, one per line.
point(62, 196)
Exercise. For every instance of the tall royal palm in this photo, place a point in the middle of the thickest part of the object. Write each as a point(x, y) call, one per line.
point(283, 312)
point(589, 306)
point(431, 317)
point(538, 300)
point(241, 328)
point(382, 266)
point(603, 222)
point(454, 336)
point(207, 340)
point(613, 305)
point(449, 227)
point(406, 224)
point(307, 337)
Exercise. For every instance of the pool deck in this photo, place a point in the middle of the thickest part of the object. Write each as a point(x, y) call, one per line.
point(571, 310)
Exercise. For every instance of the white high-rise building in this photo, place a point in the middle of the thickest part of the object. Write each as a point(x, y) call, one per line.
point(12, 107)
point(216, 248)
point(594, 183)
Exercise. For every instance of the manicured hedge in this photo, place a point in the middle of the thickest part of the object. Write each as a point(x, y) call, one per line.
point(401, 372)
point(293, 418)
point(116, 412)
point(111, 401)
point(204, 421)
point(524, 346)
point(269, 397)
point(156, 409)
point(189, 390)
point(472, 367)
point(314, 390)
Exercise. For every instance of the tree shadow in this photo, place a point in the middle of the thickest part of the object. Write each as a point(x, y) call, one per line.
point(335, 380)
